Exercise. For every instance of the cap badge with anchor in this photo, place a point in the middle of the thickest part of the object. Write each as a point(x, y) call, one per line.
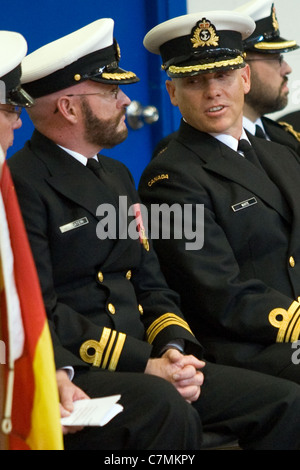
point(204, 34)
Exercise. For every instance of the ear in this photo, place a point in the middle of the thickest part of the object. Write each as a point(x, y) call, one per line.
point(246, 76)
point(68, 109)
point(171, 89)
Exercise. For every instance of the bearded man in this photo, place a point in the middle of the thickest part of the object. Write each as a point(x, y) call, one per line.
point(269, 75)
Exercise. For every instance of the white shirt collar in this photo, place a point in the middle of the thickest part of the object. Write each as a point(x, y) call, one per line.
point(230, 141)
point(250, 125)
point(80, 158)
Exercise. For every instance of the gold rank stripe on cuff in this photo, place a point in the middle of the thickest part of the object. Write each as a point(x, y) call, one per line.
point(287, 322)
point(106, 352)
point(168, 319)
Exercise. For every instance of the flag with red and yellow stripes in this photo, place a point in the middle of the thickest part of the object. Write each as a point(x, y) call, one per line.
point(31, 417)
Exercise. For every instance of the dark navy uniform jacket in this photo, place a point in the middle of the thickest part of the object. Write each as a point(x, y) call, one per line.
point(107, 301)
point(240, 291)
point(282, 133)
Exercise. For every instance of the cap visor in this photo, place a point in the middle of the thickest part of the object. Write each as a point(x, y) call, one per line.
point(19, 97)
point(278, 45)
point(117, 76)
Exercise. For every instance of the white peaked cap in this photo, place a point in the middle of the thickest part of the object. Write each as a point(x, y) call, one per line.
point(257, 9)
point(13, 49)
point(90, 53)
point(64, 51)
point(182, 26)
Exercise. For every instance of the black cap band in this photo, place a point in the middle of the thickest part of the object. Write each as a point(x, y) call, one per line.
point(12, 79)
point(15, 95)
point(101, 66)
point(229, 45)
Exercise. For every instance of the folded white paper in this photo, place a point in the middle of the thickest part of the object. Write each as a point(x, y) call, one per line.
point(94, 412)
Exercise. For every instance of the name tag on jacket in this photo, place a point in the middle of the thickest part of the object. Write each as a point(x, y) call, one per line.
point(72, 225)
point(244, 204)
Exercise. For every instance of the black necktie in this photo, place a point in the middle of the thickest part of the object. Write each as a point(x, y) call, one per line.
point(259, 132)
point(249, 152)
point(94, 166)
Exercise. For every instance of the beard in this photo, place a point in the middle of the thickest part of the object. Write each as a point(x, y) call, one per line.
point(263, 100)
point(100, 132)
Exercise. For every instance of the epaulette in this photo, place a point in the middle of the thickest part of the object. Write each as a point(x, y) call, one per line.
point(289, 128)
point(160, 151)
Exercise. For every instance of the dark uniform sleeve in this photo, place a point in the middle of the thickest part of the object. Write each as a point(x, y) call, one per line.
point(162, 318)
point(161, 314)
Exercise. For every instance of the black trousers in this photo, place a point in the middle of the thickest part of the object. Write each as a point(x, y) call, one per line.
point(261, 411)
point(155, 416)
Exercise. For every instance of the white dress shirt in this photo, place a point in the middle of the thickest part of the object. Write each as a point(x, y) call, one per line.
point(251, 126)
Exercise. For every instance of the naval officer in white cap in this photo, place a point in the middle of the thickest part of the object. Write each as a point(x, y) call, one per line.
point(238, 290)
point(264, 50)
point(269, 74)
point(100, 294)
point(13, 98)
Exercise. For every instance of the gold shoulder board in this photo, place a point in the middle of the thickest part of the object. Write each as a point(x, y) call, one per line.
point(289, 128)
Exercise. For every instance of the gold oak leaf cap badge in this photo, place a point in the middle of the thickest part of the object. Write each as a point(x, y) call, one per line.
point(274, 19)
point(204, 34)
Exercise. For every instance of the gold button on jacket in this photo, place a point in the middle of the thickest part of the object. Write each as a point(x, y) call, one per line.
point(292, 262)
point(111, 308)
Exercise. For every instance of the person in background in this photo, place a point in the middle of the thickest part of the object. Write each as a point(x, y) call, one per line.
point(13, 98)
point(116, 326)
point(269, 75)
